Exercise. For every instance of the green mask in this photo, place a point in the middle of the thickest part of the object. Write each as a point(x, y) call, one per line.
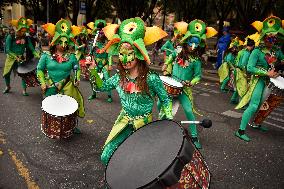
point(126, 53)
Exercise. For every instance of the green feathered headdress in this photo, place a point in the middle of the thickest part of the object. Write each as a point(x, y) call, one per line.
point(197, 28)
point(134, 32)
point(62, 32)
point(22, 23)
point(270, 26)
point(94, 25)
point(236, 42)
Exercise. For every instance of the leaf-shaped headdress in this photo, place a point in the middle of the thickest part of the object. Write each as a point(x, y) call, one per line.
point(94, 25)
point(236, 42)
point(197, 28)
point(22, 23)
point(271, 25)
point(134, 32)
point(63, 28)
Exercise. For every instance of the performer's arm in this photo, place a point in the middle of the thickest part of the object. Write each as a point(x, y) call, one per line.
point(8, 44)
point(41, 68)
point(108, 84)
point(156, 84)
point(31, 47)
point(245, 59)
point(251, 67)
point(197, 72)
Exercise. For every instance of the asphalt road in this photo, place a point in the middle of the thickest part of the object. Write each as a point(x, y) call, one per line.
point(28, 159)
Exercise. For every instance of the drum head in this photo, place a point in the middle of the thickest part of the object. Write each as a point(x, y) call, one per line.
point(278, 82)
point(28, 66)
point(171, 81)
point(145, 155)
point(59, 105)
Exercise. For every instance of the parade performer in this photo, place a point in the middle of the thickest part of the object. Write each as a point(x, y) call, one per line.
point(222, 45)
point(136, 85)
point(260, 60)
point(171, 48)
point(102, 61)
point(240, 71)
point(82, 50)
point(15, 49)
point(227, 66)
point(187, 68)
point(55, 66)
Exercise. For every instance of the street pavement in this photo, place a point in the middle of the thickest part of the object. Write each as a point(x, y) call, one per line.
point(30, 160)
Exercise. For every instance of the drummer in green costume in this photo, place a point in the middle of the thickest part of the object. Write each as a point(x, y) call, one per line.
point(240, 71)
point(15, 48)
point(187, 68)
point(136, 85)
point(55, 66)
point(102, 60)
point(258, 65)
point(228, 63)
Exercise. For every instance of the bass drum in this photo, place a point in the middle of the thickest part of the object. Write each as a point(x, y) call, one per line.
point(27, 70)
point(159, 155)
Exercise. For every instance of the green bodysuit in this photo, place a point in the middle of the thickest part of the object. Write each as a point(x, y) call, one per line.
point(58, 78)
point(224, 70)
point(15, 48)
point(136, 110)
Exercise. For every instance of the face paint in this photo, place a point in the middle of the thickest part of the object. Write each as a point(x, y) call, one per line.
point(126, 53)
point(193, 42)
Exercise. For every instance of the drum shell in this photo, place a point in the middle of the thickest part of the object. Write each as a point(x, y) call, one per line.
point(30, 78)
point(57, 127)
point(172, 90)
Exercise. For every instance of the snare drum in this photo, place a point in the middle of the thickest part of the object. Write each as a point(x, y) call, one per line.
point(173, 87)
point(59, 116)
point(27, 71)
point(274, 95)
point(158, 155)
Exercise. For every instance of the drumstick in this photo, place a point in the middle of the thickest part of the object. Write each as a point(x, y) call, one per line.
point(75, 68)
point(206, 123)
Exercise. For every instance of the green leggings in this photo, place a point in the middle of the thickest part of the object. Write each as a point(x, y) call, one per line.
point(7, 78)
point(254, 104)
point(110, 148)
point(225, 82)
point(187, 107)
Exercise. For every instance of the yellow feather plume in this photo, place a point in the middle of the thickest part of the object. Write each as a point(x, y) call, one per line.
point(210, 32)
point(181, 27)
point(258, 25)
point(14, 23)
point(153, 34)
point(49, 28)
point(29, 22)
point(110, 30)
point(89, 31)
point(75, 30)
point(91, 25)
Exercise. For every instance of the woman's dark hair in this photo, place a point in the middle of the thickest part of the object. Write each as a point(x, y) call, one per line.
point(52, 49)
point(185, 52)
point(143, 70)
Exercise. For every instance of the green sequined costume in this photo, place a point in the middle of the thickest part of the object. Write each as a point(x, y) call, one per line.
point(14, 50)
point(58, 79)
point(136, 110)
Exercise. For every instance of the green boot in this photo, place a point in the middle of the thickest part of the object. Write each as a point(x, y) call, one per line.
point(242, 136)
point(258, 127)
point(196, 143)
point(93, 96)
point(76, 131)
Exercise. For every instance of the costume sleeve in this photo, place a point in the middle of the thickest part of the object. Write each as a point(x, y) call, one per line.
point(197, 72)
point(31, 47)
point(156, 84)
point(76, 62)
point(41, 66)
point(244, 60)
point(108, 84)
point(251, 67)
point(8, 45)
point(280, 55)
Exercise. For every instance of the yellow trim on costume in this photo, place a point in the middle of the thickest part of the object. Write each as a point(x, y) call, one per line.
point(153, 34)
point(110, 30)
point(210, 32)
point(29, 22)
point(258, 25)
point(91, 25)
point(282, 23)
point(14, 23)
point(146, 57)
